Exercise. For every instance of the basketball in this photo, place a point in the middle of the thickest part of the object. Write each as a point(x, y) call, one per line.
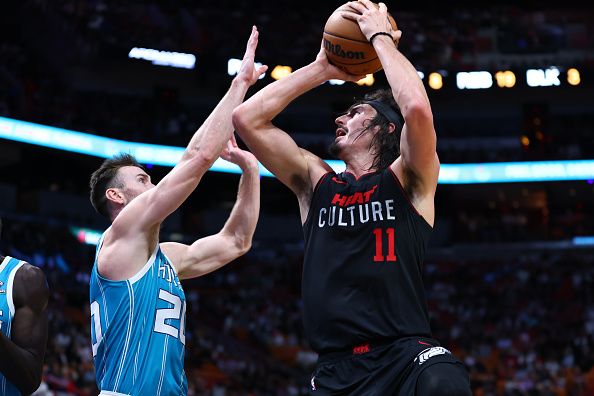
point(347, 47)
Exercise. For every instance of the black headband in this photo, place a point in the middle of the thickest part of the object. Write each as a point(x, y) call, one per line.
point(387, 111)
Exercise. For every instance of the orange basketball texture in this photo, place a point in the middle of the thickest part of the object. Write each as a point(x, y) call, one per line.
point(347, 47)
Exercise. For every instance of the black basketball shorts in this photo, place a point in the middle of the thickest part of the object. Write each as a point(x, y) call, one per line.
point(379, 370)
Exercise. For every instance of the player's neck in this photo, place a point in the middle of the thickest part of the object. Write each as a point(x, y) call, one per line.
point(359, 163)
point(359, 170)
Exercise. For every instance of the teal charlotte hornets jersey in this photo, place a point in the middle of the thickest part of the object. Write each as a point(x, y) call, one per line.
point(8, 269)
point(138, 330)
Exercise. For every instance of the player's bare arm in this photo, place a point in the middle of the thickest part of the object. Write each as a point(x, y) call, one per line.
point(418, 165)
point(134, 231)
point(295, 167)
point(235, 238)
point(21, 356)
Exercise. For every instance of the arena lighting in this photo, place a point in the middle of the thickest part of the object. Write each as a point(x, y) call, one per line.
point(281, 72)
point(543, 78)
point(583, 241)
point(84, 143)
point(233, 66)
point(361, 82)
point(367, 80)
point(505, 79)
point(474, 80)
point(435, 80)
point(573, 76)
point(86, 235)
point(164, 58)
point(511, 172)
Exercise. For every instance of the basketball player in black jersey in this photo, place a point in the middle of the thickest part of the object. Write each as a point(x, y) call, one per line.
point(366, 229)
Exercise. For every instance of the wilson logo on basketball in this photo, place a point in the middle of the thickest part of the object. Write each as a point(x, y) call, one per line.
point(338, 51)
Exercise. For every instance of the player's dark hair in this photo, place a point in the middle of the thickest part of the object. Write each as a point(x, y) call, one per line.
point(107, 177)
point(385, 145)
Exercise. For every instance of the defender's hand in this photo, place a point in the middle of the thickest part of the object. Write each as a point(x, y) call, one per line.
point(247, 71)
point(232, 153)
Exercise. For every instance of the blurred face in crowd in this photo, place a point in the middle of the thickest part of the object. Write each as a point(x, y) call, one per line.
point(131, 182)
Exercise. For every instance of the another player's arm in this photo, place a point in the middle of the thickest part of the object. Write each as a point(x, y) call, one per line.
point(21, 356)
point(136, 223)
point(235, 238)
point(418, 165)
point(277, 151)
point(295, 167)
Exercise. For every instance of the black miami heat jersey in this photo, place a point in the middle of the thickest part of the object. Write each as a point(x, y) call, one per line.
point(362, 273)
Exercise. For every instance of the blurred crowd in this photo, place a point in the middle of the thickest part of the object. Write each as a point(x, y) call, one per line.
point(523, 325)
point(450, 37)
point(37, 85)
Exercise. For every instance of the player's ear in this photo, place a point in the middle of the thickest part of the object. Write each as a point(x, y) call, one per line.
point(391, 127)
point(114, 195)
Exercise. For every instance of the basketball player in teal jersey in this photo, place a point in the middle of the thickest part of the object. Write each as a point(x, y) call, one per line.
point(138, 306)
point(366, 229)
point(23, 326)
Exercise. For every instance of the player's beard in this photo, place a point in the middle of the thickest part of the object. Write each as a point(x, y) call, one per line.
point(334, 149)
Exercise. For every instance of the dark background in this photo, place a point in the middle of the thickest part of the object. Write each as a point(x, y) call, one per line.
point(508, 292)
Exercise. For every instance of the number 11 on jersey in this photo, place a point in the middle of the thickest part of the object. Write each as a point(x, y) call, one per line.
point(379, 252)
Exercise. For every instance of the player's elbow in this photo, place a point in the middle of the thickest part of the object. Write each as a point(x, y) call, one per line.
point(34, 386)
point(242, 244)
point(240, 118)
point(247, 119)
point(245, 246)
point(31, 383)
point(418, 111)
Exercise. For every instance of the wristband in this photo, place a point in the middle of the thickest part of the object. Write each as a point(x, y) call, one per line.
point(379, 34)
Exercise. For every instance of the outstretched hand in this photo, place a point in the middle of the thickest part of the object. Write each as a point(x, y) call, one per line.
point(371, 19)
point(247, 71)
point(234, 154)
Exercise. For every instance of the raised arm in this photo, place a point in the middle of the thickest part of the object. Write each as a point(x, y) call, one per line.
point(235, 238)
point(418, 165)
point(151, 208)
point(21, 356)
point(297, 168)
point(134, 231)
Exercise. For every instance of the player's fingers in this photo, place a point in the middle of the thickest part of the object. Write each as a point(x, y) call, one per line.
point(383, 8)
point(357, 6)
point(262, 69)
point(233, 141)
point(351, 16)
point(366, 3)
point(252, 44)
